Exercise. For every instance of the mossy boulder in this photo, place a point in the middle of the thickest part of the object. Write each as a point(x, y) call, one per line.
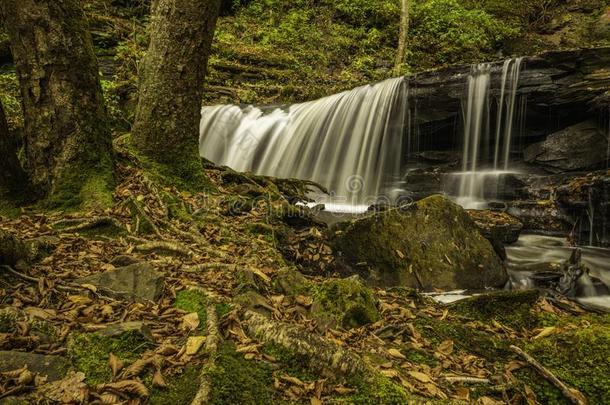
point(432, 244)
point(347, 302)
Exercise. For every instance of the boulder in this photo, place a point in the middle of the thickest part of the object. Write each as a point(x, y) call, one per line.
point(579, 147)
point(54, 367)
point(497, 225)
point(432, 244)
point(138, 281)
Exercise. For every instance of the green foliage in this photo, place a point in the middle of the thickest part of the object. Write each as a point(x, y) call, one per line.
point(11, 99)
point(373, 390)
point(444, 31)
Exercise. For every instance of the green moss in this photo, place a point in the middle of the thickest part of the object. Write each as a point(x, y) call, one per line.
point(374, 390)
point(295, 365)
point(510, 308)
point(181, 389)
point(464, 337)
point(419, 356)
point(193, 301)
point(89, 353)
point(238, 381)
point(578, 356)
point(348, 300)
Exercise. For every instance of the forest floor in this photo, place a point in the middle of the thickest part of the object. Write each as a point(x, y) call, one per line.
point(231, 296)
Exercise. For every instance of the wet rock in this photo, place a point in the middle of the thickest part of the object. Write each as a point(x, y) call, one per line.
point(586, 202)
point(497, 225)
point(579, 147)
point(440, 156)
point(290, 282)
point(54, 367)
point(124, 260)
point(433, 244)
point(541, 216)
point(137, 327)
point(138, 281)
point(421, 183)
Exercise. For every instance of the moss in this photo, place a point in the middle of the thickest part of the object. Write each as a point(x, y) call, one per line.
point(290, 281)
point(431, 244)
point(89, 353)
point(419, 356)
point(348, 300)
point(181, 389)
point(578, 356)
point(374, 390)
point(511, 308)
point(465, 337)
point(295, 365)
point(193, 301)
point(238, 381)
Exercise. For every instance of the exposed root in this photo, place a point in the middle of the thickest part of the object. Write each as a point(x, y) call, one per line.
point(573, 395)
point(299, 340)
point(144, 224)
point(200, 268)
point(96, 222)
point(165, 247)
point(211, 348)
point(466, 380)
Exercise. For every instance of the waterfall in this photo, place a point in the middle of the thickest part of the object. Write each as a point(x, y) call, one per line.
point(477, 120)
point(349, 142)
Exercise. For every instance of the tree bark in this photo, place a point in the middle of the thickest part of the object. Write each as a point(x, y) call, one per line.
point(401, 51)
point(67, 142)
point(12, 177)
point(171, 87)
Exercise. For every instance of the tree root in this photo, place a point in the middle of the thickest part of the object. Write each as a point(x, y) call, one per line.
point(165, 247)
point(96, 222)
point(573, 395)
point(200, 268)
point(211, 348)
point(144, 223)
point(297, 339)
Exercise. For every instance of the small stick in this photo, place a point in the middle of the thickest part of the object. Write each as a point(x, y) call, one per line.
point(466, 380)
point(575, 396)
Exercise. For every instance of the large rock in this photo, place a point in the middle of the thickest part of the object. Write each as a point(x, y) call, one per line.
point(138, 281)
point(497, 225)
point(579, 147)
point(54, 367)
point(433, 244)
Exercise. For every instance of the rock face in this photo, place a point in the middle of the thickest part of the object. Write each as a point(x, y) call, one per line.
point(432, 244)
point(137, 282)
point(54, 367)
point(497, 225)
point(578, 147)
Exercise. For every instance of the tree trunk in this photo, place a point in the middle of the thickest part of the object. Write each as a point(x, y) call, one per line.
point(171, 87)
point(67, 142)
point(402, 36)
point(12, 177)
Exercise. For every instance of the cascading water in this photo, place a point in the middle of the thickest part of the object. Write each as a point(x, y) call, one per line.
point(349, 142)
point(477, 121)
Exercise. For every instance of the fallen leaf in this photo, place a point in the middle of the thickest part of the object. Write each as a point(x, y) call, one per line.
point(158, 380)
point(396, 354)
point(422, 377)
point(545, 332)
point(115, 364)
point(446, 347)
point(190, 321)
point(193, 344)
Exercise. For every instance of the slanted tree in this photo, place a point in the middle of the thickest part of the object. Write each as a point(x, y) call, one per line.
point(403, 34)
point(171, 86)
point(68, 149)
point(12, 178)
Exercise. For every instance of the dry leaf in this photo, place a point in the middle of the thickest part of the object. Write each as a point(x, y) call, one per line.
point(462, 393)
point(446, 347)
point(396, 354)
point(158, 380)
point(190, 321)
point(545, 332)
point(129, 386)
point(193, 344)
point(425, 378)
point(115, 364)
point(315, 401)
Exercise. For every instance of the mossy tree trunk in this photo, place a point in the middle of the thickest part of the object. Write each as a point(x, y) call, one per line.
point(68, 150)
point(12, 177)
point(171, 87)
point(401, 51)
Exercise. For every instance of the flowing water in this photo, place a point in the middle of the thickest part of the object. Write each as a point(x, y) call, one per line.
point(349, 142)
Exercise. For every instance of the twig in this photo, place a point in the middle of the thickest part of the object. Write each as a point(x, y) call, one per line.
point(211, 348)
point(466, 380)
point(571, 394)
point(170, 247)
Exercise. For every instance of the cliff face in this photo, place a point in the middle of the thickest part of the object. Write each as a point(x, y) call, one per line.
point(561, 88)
